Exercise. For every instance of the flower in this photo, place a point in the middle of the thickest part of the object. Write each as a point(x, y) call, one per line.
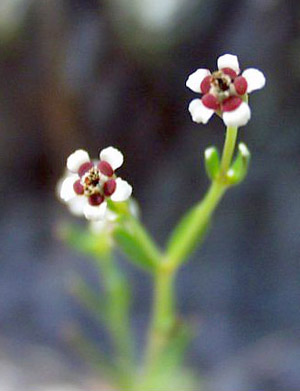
point(224, 91)
point(88, 184)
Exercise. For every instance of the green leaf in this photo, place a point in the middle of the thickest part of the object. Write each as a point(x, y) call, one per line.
point(92, 354)
point(187, 235)
point(137, 244)
point(239, 168)
point(89, 298)
point(212, 162)
point(85, 241)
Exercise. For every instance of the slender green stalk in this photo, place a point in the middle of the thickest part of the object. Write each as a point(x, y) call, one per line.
point(163, 313)
point(117, 315)
point(113, 307)
point(230, 141)
point(118, 302)
point(161, 327)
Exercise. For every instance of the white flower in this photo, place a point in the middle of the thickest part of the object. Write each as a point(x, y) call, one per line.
point(87, 185)
point(223, 91)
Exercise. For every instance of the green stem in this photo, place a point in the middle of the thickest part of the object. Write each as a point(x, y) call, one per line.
point(117, 314)
point(118, 297)
point(161, 327)
point(228, 150)
point(163, 313)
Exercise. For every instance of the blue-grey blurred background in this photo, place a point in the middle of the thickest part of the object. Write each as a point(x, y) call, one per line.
point(91, 73)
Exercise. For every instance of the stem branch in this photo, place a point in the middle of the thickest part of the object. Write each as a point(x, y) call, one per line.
point(163, 317)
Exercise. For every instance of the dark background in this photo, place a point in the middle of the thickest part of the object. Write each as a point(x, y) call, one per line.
point(95, 73)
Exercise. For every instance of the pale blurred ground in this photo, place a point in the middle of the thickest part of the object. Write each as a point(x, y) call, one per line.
point(90, 74)
point(42, 368)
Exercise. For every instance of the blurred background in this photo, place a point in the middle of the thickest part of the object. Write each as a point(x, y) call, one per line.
point(92, 73)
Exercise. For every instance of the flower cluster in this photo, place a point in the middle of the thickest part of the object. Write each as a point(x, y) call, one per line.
point(88, 184)
point(224, 91)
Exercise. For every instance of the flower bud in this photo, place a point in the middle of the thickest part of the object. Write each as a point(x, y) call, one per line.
point(239, 168)
point(212, 162)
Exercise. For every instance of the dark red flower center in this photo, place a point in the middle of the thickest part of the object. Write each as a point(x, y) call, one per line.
point(220, 81)
point(93, 182)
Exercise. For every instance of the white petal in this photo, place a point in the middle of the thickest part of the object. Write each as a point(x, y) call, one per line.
point(95, 212)
point(123, 191)
point(237, 117)
point(59, 186)
point(76, 159)
point(199, 112)
point(76, 205)
point(112, 156)
point(66, 190)
point(229, 61)
point(255, 79)
point(195, 79)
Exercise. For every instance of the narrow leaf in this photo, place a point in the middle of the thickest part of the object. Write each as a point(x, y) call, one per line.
point(187, 235)
point(93, 355)
point(137, 244)
point(84, 241)
point(239, 168)
point(89, 298)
